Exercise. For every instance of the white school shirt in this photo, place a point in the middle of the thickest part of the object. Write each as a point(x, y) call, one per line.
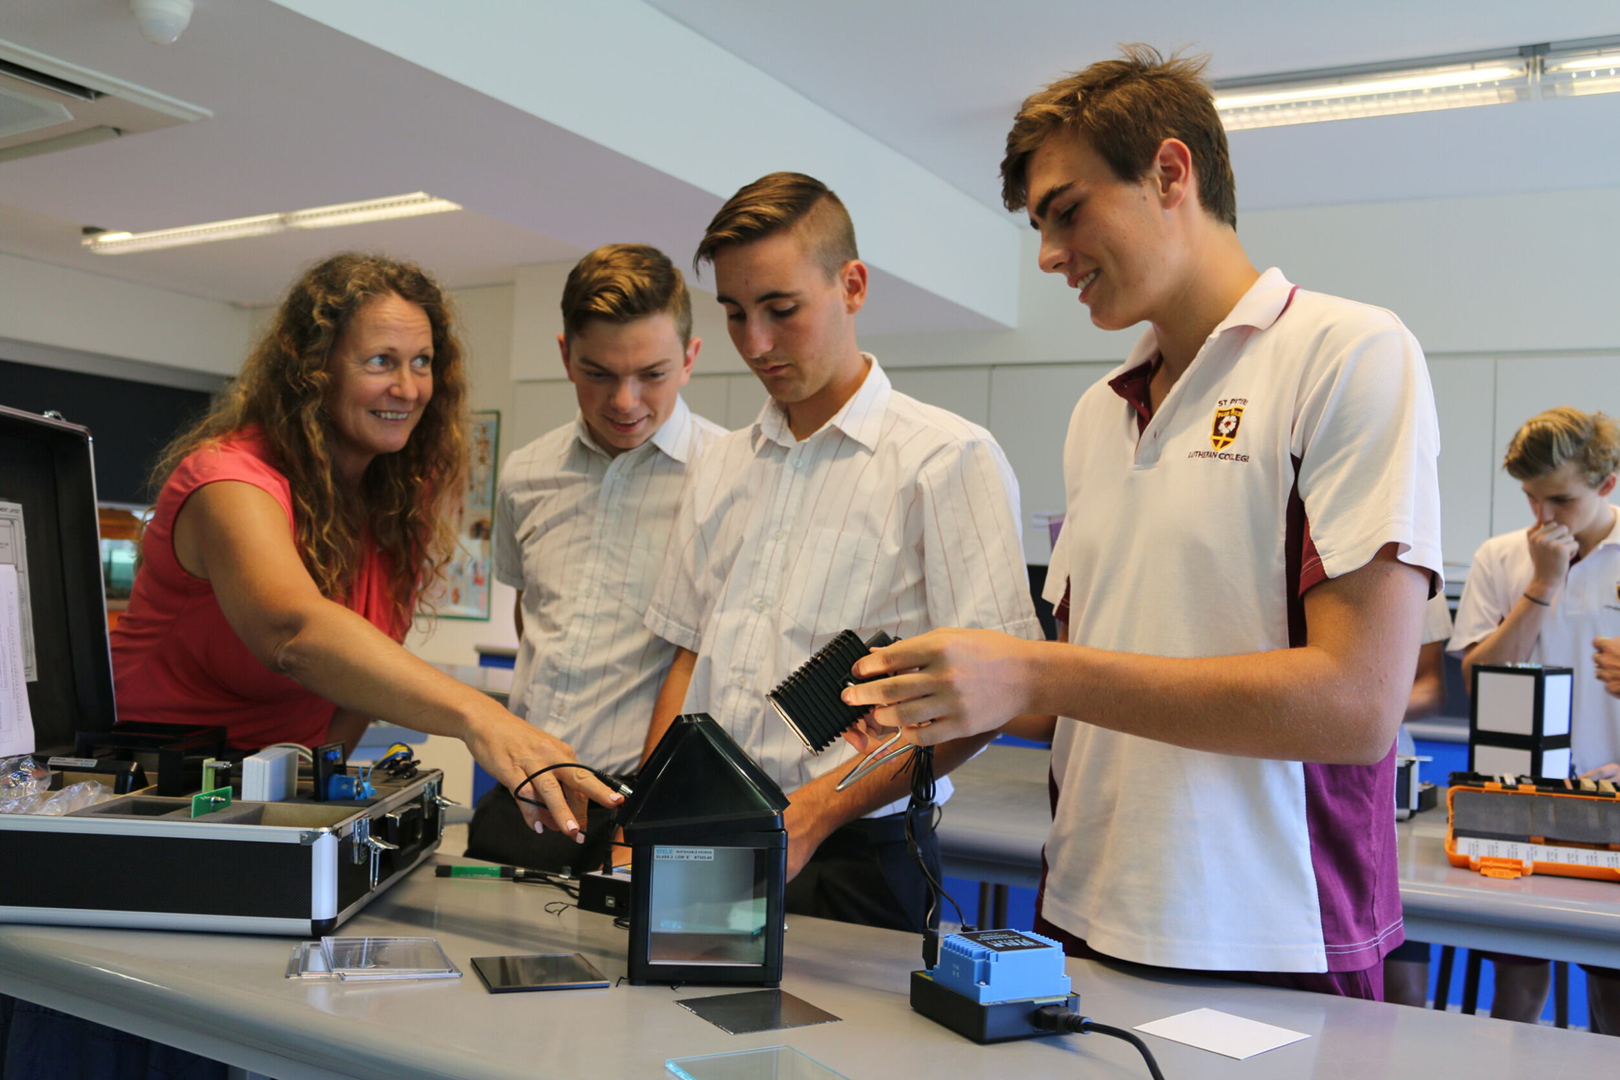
point(1300, 441)
point(1587, 608)
point(894, 516)
point(583, 535)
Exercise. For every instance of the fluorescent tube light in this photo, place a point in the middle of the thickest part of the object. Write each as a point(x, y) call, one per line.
point(412, 205)
point(1454, 86)
point(1576, 74)
point(318, 217)
point(118, 243)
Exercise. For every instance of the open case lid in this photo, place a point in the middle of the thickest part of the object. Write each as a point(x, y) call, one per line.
point(47, 469)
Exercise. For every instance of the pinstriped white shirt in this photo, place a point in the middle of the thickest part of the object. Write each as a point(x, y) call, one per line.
point(583, 534)
point(895, 516)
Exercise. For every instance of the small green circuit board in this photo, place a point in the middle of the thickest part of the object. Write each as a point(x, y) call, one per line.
point(207, 802)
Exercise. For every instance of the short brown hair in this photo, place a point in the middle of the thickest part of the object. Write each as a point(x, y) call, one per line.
point(1126, 109)
point(1549, 439)
point(777, 203)
point(623, 282)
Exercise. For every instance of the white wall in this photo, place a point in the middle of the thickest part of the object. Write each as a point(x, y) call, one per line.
point(486, 329)
point(68, 309)
point(1479, 276)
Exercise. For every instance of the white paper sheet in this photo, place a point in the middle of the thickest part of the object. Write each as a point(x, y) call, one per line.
point(1223, 1033)
point(16, 721)
point(14, 550)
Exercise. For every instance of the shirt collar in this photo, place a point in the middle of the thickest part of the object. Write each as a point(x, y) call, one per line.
point(674, 438)
point(1614, 531)
point(1262, 305)
point(861, 417)
point(1258, 308)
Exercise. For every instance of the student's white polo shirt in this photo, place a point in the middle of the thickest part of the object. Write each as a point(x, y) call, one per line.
point(1588, 607)
point(1300, 441)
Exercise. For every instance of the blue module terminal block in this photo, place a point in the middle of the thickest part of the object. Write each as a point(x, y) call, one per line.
point(988, 966)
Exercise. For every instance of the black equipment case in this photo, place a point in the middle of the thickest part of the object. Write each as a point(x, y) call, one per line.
point(299, 866)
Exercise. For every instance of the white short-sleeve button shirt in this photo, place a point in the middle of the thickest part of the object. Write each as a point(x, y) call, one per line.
point(582, 534)
point(895, 516)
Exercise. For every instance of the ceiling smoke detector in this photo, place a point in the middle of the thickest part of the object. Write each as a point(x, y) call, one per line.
point(161, 21)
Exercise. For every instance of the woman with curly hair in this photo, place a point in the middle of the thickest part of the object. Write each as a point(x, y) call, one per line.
point(297, 526)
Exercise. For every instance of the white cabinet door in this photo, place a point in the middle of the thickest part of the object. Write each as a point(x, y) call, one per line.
point(964, 391)
point(1030, 407)
point(1465, 398)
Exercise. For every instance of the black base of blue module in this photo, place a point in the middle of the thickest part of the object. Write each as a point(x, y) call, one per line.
point(1000, 1021)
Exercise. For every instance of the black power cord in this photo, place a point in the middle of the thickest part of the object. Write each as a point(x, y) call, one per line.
point(1057, 1018)
point(921, 776)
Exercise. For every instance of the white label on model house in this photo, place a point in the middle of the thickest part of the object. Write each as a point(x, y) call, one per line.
point(684, 854)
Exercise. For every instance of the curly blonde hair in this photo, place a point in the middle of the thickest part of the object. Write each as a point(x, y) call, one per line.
point(407, 500)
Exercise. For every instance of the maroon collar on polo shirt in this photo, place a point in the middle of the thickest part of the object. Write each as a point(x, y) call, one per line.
point(1136, 387)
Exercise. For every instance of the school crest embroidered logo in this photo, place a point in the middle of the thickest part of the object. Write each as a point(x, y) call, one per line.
point(1226, 427)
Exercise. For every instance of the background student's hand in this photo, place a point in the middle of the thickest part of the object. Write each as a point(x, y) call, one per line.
point(1611, 771)
point(1552, 547)
point(510, 749)
point(1606, 657)
point(956, 682)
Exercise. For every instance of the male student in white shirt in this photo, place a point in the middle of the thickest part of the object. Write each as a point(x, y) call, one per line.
point(1251, 534)
point(1550, 594)
point(845, 505)
point(581, 520)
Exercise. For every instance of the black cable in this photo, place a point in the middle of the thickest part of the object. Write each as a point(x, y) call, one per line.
point(546, 878)
point(598, 773)
point(921, 767)
point(1057, 1018)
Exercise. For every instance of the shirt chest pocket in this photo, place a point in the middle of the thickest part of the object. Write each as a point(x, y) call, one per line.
point(833, 581)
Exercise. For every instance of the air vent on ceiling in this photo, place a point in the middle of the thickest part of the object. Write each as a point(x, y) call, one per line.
point(48, 104)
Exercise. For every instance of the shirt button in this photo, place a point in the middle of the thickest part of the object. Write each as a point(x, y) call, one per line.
point(798, 463)
point(779, 534)
point(761, 605)
point(742, 682)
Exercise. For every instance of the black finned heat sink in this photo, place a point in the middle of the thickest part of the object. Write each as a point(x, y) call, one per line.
point(810, 699)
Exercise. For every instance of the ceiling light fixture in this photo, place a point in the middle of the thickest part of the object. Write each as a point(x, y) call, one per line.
point(1453, 86)
point(1561, 69)
point(1578, 72)
point(317, 217)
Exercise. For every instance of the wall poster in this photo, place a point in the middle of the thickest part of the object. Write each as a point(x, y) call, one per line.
point(464, 593)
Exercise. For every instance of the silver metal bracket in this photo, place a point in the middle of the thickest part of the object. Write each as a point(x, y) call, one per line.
point(358, 840)
point(377, 845)
point(431, 790)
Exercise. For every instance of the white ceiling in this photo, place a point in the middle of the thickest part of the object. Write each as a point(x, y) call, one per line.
point(939, 80)
point(306, 116)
